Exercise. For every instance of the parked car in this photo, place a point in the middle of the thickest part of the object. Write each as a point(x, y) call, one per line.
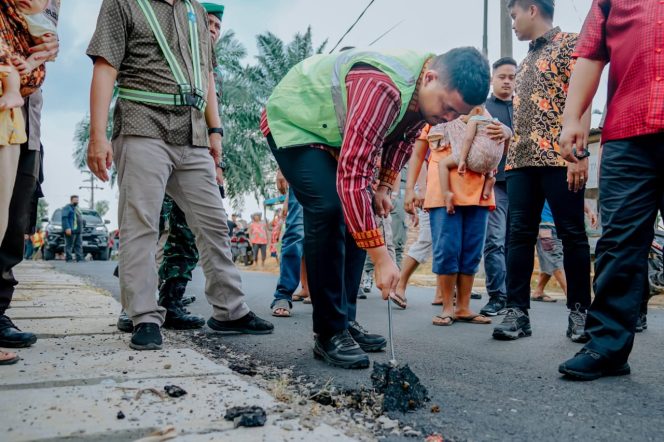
point(95, 235)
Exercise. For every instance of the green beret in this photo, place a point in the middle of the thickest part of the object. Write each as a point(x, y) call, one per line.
point(215, 9)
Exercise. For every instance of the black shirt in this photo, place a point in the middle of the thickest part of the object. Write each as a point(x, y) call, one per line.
point(502, 110)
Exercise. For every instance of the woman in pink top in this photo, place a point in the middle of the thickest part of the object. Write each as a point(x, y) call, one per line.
point(258, 238)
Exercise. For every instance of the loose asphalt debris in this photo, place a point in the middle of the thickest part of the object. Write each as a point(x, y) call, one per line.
point(174, 391)
point(120, 415)
point(246, 416)
point(246, 369)
point(400, 387)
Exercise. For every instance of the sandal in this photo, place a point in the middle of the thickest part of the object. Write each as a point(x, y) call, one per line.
point(399, 300)
point(307, 300)
point(8, 358)
point(543, 298)
point(443, 321)
point(281, 308)
point(298, 297)
point(474, 319)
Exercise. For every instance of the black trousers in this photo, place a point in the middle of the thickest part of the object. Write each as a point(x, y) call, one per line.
point(527, 188)
point(20, 208)
point(631, 192)
point(334, 262)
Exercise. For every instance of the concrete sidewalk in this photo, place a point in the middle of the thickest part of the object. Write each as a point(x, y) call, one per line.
point(80, 374)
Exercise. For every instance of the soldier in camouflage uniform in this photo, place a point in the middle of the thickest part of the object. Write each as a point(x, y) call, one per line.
point(179, 253)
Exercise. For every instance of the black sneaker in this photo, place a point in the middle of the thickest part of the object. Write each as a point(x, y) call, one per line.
point(12, 337)
point(249, 324)
point(147, 336)
point(588, 365)
point(576, 327)
point(125, 324)
point(361, 294)
point(366, 341)
point(341, 350)
point(515, 325)
point(493, 307)
point(642, 323)
point(475, 295)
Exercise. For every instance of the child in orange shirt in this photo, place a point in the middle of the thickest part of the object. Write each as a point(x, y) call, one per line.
point(472, 149)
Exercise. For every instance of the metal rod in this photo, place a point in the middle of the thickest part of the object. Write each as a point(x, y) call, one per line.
point(393, 361)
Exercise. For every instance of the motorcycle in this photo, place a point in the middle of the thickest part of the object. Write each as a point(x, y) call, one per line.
point(241, 247)
point(656, 264)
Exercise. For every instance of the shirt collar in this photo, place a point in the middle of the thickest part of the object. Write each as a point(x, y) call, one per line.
point(498, 100)
point(544, 39)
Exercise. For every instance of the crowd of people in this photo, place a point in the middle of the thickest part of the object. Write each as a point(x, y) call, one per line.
point(491, 161)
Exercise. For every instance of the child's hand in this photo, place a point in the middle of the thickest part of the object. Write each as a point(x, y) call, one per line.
point(461, 169)
point(21, 64)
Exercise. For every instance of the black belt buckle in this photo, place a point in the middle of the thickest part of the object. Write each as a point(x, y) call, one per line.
point(191, 96)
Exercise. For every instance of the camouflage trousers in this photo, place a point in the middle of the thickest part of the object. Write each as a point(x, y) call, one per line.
point(180, 255)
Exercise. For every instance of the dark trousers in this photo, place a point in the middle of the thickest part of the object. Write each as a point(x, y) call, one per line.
point(631, 191)
point(334, 262)
point(20, 207)
point(74, 244)
point(527, 188)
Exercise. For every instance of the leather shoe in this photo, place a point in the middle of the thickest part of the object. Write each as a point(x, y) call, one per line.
point(249, 324)
point(341, 351)
point(125, 324)
point(12, 337)
point(177, 317)
point(588, 365)
point(367, 342)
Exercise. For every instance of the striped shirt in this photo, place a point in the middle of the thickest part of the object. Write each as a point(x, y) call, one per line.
point(374, 103)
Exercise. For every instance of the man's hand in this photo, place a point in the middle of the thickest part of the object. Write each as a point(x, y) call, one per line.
point(215, 147)
point(48, 44)
point(282, 184)
point(461, 169)
point(414, 220)
point(572, 137)
point(220, 176)
point(387, 273)
point(498, 132)
point(100, 157)
point(68, 232)
point(577, 175)
point(382, 201)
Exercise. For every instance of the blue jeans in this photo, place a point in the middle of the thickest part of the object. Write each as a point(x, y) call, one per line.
point(291, 251)
point(458, 239)
point(495, 244)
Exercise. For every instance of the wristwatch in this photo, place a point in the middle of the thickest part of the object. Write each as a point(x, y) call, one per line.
point(222, 165)
point(585, 153)
point(216, 130)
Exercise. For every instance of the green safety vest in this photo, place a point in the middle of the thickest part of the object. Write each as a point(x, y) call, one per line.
point(187, 94)
point(309, 105)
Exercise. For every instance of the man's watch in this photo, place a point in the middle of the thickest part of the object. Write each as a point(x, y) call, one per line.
point(584, 153)
point(216, 130)
point(222, 165)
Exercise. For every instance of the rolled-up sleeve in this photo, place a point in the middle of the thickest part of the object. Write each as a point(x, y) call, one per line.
point(373, 105)
point(592, 40)
point(110, 37)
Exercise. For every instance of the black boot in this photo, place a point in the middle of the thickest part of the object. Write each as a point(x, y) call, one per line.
point(125, 324)
point(341, 351)
point(177, 317)
point(364, 339)
point(12, 337)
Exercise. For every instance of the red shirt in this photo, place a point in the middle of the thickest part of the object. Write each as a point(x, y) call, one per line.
point(629, 35)
point(373, 106)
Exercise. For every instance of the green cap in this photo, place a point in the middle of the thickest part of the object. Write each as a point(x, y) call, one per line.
point(215, 9)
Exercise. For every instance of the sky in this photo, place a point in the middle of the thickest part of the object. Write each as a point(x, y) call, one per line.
point(425, 25)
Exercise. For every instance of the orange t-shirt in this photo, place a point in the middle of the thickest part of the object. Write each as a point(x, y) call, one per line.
point(467, 189)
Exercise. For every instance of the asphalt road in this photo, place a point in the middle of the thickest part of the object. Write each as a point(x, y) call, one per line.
point(486, 389)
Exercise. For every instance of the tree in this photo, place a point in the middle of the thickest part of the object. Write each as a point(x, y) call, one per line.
point(245, 90)
point(101, 207)
point(42, 210)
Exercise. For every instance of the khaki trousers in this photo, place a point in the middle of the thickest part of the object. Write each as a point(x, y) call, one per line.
point(9, 156)
point(148, 168)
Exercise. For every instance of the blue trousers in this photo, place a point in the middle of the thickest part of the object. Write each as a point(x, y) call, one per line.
point(291, 251)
